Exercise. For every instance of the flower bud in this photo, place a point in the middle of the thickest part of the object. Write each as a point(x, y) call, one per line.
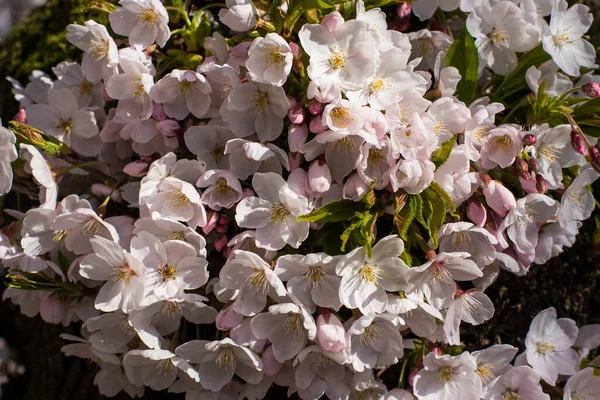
point(295, 160)
point(297, 181)
point(158, 112)
point(355, 188)
point(315, 107)
point(499, 198)
point(522, 165)
point(228, 319)
point(331, 335)
point(591, 89)
point(403, 13)
point(241, 50)
point(318, 178)
point(270, 364)
point(477, 213)
point(332, 21)
point(296, 114)
point(541, 184)
point(316, 125)
point(168, 128)
point(534, 165)
point(529, 140)
point(595, 158)
point(223, 220)
point(220, 243)
point(577, 142)
point(211, 223)
point(296, 50)
point(137, 168)
point(297, 135)
point(21, 116)
point(247, 192)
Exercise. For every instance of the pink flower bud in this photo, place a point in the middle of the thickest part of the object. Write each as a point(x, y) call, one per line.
point(591, 89)
point(241, 50)
point(296, 50)
point(223, 220)
point(477, 213)
point(404, 10)
point(577, 142)
point(402, 21)
point(595, 158)
point(318, 178)
point(220, 242)
point(522, 165)
point(296, 114)
point(247, 192)
point(295, 160)
point(137, 168)
point(211, 223)
point(297, 182)
point(315, 107)
point(534, 165)
point(528, 183)
point(228, 319)
point(158, 112)
point(100, 189)
point(297, 135)
point(541, 184)
point(221, 229)
point(316, 125)
point(529, 140)
point(499, 198)
point(21, 116)
point(332, 21)
point(331, 335)
point(168, 128)
point(270, 364)
point(355, 188)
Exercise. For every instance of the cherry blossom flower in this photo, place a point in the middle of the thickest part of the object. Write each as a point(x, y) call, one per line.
point(143, 21)
point(447, 377)
point(183, 92)
point(583, 384)
point(8, 154)
point(520, 381)
point(269, 60)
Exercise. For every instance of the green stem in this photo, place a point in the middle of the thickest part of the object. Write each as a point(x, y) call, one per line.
point(402, 371)
point(64, 170)
point(182, 13)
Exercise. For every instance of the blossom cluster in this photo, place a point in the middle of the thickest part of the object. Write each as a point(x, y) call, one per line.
point(304, 194)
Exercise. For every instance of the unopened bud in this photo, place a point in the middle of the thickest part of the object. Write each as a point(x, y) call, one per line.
point(296, 114)
point(591, 89)
point(316, 125)
point(331, 335)
point(211, 223)
point(541, 184)
point(529, 140)
point(296, 50)
point(534, 165)
point(318, 178)
point(477, 213)
point(21, 116)
point(332, 21)
point(595, 158)
point(522, 165)
point(297, 135)
point(315, 107)
point(577, 142)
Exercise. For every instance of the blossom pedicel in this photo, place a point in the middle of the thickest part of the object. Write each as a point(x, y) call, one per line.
point(296, 195)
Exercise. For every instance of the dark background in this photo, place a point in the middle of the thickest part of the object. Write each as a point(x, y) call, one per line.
point(570, 282)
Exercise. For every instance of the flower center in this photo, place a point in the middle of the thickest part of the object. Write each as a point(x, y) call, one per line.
point(272, 56)
point(225, 359)
point(461, 239)
point(217, 152)
point(148, 17)
point(165, 367)
point(425, 46)
point(278, 213)
point(314, 274)
point(122, 273)
point(341, 116)
point(99, 48)
point(260, 102)
point(502, 141)
point(344, 144)
point(371, 335)
point(561, 38)
point(376, 157)
point(485, 372)
point(511, 395)
point(166, 272)
point(179, 200)
point(378, 85)
point(322, 361)
point(548, 152)
point(445, 374)
point(91, 227)
point(85, 87)
point(185, 87)
point(293, 326)
point(223, 189)
point(438, 272)
point(500, 37)
point(65, 125)
point(543, 347)
point(337, 60)
point(370, 273)
point(138, 88)
point(258, 280)
point(57, 236)
point(178, 235)
point(171, 309)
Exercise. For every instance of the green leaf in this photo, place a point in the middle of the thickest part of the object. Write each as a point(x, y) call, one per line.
point(435, 214)
point(442, 194)
point(407, 258)
point(319, 4)
point(63, 262)
point(404, 216)
point(370, 198)
point(441, 155)
point(361, 231)
point(336, 211)
point(463, 56)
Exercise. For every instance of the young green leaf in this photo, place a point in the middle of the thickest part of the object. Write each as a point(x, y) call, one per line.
point(463, 56)
point(441, 155)
point(336, 211)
